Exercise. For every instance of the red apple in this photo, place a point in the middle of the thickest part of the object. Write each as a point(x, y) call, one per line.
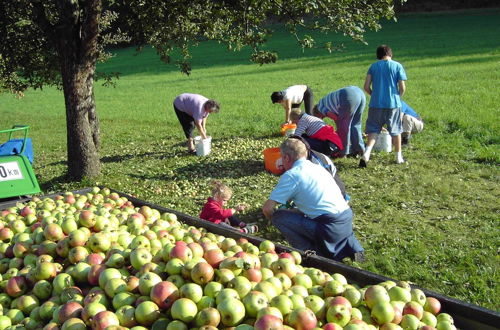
point(164, 294)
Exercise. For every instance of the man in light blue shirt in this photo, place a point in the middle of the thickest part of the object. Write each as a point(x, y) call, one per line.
point(385, 83)
point(322, 219)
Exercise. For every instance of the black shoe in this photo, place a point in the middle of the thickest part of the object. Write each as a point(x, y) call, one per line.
point(362, 163)
point(405, 139)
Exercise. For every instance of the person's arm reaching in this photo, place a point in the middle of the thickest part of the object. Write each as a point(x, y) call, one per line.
point(268, 208)
point(401, 87)
point(368, 84)
point(200, 125)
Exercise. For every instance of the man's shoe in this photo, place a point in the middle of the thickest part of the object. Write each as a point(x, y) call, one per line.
point(362, 163)
point(359, 257)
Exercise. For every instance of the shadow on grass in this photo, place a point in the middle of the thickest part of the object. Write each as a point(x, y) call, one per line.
point(217, 170)
point(57, 181)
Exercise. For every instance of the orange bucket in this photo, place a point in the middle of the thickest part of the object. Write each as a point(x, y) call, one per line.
point(288, 129)
point(272, 161)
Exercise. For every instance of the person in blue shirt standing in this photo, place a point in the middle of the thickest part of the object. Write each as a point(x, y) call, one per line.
point(385, 83)
point(322, 218)
point(412, 123)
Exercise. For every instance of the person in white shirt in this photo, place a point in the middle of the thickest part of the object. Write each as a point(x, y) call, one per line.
point(292, 97)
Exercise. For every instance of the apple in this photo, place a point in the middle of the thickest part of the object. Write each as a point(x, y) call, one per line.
point(339, 314)
point(382, 312)
point(241, 284)
point(332, 326)
point(267, 246)
point(69, 310)
point(46, 310)
point(191, 291)
point(376, 293)
point(232, 312)
point(334, 288)
point(254, 274)
point(202, 273)
point(104, 320)
point(42, 289)
point(212, 289)
point(16, 286)
point(353, 295)
point(302, 319)
point(86, 218)
point(445, 325)
point(268, 289)
point(415, 308)
point(147, 281)
point(27, 303)
point(126, 316)
point(94, 274)
point(254, 301)
point(182, 252)
point(77, 254)
point(139, 257)
point(410, 322)
point(432, 305)
point(317, 305)
point(268, 322)
point(106, 275)
point(418, 296)
point(285, 265)
point(115, 286)
point(184, 309)
point(283, 303)
point(174, 266)
point(429, 319)
point(207, 316)
point(5, 322)
point(146, 313)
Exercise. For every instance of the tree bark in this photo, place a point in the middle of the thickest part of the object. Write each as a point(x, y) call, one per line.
point(77, 48)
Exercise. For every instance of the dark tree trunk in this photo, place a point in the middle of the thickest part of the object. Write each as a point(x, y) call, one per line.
point(82, 124)
point(77, 48)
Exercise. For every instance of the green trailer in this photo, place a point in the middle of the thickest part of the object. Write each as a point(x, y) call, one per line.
point(16, 155)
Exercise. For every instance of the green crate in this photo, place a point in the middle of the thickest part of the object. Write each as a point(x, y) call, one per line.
point(16, 174)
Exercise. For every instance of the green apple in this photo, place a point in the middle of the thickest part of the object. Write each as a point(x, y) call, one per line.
point(241, 284)
point(317, 305)
point(191, 291)
point(232, 312)
point(212, 289)
point(283, 303)
point(184, 310)
point(382, 312)
point(106, 275)
point(254, 301)
point(397, 293)
point(339, 314)
point(146, 313)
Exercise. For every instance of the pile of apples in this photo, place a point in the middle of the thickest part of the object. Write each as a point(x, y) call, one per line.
point(95, 261)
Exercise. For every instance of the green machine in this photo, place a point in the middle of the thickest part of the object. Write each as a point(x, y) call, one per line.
point(16, 156)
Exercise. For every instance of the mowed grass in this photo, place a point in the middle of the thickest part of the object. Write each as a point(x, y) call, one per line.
point(433, 221)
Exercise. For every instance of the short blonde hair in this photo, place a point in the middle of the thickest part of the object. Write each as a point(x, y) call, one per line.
point(221, 190)
point(294, 148)
point(295, 114)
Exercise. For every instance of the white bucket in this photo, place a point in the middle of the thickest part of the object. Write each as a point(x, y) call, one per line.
point(383, 142)
point(202, 146)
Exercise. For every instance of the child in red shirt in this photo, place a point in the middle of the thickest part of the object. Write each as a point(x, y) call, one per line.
point(214, 210)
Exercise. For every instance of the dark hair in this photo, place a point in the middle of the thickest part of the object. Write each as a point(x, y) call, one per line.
point(383, 50)
point(276, 97)
point(212, 105)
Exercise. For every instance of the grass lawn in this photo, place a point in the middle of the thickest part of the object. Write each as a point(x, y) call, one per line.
point(433, 221)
